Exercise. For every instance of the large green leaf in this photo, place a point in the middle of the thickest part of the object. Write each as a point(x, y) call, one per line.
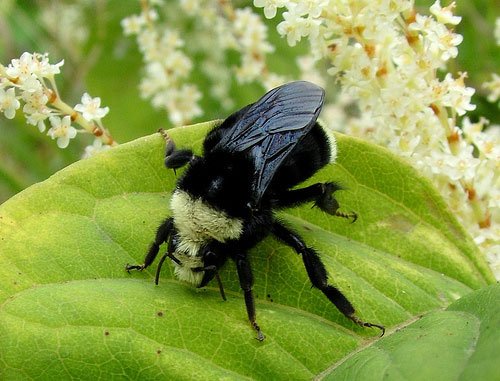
point(70, 310)
point(460, 343)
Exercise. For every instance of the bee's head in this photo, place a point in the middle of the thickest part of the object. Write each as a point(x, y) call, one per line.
point(201, 268)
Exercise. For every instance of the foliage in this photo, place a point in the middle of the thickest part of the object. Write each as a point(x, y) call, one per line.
point(70, 310)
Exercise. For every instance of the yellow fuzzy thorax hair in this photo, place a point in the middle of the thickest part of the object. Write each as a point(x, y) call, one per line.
point(197, 223)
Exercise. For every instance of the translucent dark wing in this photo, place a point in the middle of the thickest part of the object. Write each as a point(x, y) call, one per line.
point(272, 126)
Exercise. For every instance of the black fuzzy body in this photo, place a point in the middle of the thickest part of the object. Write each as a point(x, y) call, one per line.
point(224, 181)
point(252, 165)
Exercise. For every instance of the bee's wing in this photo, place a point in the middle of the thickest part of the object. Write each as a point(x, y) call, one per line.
point(271, 127)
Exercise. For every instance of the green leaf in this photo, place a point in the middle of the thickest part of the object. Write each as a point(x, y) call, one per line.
point(69, 310)
point(460, 343)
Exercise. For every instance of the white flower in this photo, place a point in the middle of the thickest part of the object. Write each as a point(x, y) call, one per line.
point(293, 26)
point(456, 95)
point(386, 57)
point(310, 72)
point(405, 144)
point(182, 104)
point(438, 40)
point(61, 130)
point(191, 7)
point(90, 108)
point(35, 103)
point(251, 32)
point(67, 25)
point(22, 67)
point(8, 102)
point(270, 6)
point(463, 165)
point(445, 15)
point(36, 115)
point(171, 39)
point(32, 78)
point(40, 123)
point(494, 87)
point(251, 41)
point(446, 42)
point(177, 64)
point(488, 144)
point(31, 84)
point(154, 81)
point(132, 24)
point(472, 131)
point(33, 64)
point(274, 80)
point(249, 70)
point(95, 148)
point(313, 8)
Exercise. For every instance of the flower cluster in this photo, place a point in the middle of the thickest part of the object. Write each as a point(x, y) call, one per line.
point(167, 67)
point(67, 25)
point(387, 58)
point(251, 42)
point(493, 87)
point(215, 28)
point(30, 81)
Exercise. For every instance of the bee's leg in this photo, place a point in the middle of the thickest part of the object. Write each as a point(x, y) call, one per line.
point(246, 281)
point(221, 287)
point(320, 193)
point(318, 275)
point(169, 254)
point(210, 273)
point(175, 158)
point(162, 234)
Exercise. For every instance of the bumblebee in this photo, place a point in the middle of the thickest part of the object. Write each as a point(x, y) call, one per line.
point(225, 201)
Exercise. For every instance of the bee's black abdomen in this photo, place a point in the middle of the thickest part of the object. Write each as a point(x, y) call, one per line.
point(312, 153)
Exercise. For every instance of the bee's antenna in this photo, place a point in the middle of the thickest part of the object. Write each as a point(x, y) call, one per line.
point(164, 134)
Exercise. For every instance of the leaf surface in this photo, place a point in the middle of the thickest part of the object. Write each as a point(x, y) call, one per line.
point(70, 310)
point(459, 343)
